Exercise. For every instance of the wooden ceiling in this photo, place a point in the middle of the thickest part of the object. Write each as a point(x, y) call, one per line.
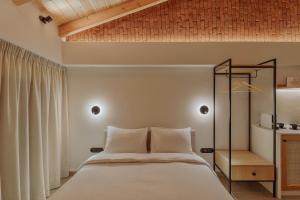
point(68, 10)
point(73, 16)
point(173, 21)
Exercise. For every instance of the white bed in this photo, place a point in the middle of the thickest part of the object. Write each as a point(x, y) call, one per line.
point(149, 176)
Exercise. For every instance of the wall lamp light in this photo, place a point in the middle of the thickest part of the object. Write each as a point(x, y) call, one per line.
point(204, 109)
point(95, 110)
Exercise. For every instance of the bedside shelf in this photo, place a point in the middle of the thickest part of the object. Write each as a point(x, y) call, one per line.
point(281, 87)
point(246, 166)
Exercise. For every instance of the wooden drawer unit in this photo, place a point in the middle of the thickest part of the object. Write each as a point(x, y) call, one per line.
point(246, 166)
point(290, 162)
point(253, 173)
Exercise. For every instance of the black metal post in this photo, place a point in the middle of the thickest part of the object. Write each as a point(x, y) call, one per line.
point(214, 122)
point(230, 88)
point(274, 120)
point(274, 125)
point(249, 114)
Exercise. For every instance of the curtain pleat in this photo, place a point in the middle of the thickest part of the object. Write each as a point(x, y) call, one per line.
point(23, 121)
point(54, 133)
point(45, 106)
point(33, 124)
point(65, 168)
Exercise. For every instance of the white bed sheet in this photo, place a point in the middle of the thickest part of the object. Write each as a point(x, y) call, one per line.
point(155, 176)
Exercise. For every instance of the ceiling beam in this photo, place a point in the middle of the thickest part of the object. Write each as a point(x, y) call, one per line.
point(106, 15)
point(21, 2)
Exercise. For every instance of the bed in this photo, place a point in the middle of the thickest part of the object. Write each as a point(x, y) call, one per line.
point(148, 176)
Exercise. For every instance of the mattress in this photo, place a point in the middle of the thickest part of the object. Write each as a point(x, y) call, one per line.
point(159, 176)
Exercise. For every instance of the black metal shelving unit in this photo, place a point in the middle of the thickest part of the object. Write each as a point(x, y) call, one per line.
point(248, 72)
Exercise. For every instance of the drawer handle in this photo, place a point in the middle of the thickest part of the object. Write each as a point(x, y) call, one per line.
point(253, 173)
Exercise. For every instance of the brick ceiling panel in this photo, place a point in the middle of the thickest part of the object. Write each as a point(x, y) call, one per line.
point(203, 20)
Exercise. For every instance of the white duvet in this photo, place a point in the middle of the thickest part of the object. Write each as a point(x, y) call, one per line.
point(155, 176)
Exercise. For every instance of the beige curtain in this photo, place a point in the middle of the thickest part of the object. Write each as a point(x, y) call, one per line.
point(33, 124)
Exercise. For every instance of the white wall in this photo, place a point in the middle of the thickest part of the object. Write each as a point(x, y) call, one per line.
point(288, 106)
point(114, 86)
point(21, 26)
point(133, 97)
point(137, 97)
point(239, 116)
point(262, 102)
point(167, 53)
point(288, 101)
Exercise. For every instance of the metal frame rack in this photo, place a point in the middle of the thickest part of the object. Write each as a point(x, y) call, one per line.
point(243, 71)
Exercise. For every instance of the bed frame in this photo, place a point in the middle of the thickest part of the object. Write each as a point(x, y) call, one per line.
point(239, 165)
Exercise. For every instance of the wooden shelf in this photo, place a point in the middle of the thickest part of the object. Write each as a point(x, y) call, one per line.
point(245, 166)
point(291, 83)
point(241, 69)
point(289, 162)
point(284, 87)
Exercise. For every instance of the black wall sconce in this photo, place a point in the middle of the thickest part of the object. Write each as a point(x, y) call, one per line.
point(45, 20)
point(204, 109)
point(95, 110)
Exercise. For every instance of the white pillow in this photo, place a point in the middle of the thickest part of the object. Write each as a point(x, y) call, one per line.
point(165, 140)
point(120, 140)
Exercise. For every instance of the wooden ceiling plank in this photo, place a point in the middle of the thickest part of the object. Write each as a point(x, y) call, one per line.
point(93, 4)
point(21, 2)
point(101, 4)
point(67, 10)
point(87, 5)
point(77, 8)
point(106, 15)
point(54, 11)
